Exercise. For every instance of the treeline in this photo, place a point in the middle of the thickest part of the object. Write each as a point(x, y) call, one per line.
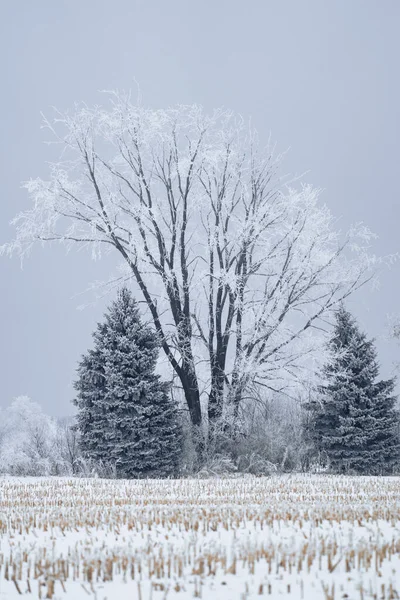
point(130, 423)
point(35, 444)
point(238, 273)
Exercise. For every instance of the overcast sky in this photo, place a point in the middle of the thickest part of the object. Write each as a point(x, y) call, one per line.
point(321, 75)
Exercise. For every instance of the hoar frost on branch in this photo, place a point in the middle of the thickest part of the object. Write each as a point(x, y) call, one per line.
point(238, 270)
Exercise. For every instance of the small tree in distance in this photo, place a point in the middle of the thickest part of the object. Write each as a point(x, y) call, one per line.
point(126, 417)
point(356, 423)
point(28, 439)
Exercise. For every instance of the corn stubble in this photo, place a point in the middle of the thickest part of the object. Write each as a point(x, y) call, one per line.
point(300, 536)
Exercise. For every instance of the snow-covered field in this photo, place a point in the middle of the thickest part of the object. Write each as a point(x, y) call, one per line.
point(223, 539)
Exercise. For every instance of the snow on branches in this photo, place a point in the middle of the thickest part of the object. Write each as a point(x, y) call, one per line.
point(238, 269)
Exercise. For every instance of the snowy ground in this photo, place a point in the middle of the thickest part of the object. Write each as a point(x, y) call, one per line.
point(296, 537)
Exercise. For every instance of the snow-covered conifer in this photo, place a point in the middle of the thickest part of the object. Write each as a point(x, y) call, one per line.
point(356, 422)
point(126, 416)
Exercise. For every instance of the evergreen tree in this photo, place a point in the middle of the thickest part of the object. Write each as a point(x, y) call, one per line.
point(125, 414)
point(356, 423)
point(91, 417)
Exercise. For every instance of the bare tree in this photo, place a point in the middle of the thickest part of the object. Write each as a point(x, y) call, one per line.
point(68, 444)
point(238, 271)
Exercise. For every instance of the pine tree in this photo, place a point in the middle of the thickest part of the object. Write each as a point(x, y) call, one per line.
point(356, 423)
point(126, 417)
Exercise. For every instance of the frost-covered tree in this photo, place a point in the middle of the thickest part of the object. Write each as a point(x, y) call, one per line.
point(237, 269)
point(126, 417)
point(28, 439)
point(356, 422)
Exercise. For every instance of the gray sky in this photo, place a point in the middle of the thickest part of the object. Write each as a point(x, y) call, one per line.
point(322, 76)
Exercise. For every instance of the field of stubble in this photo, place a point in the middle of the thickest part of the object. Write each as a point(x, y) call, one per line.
point(296, 537)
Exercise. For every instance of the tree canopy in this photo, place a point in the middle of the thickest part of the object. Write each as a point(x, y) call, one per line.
point(237, 268)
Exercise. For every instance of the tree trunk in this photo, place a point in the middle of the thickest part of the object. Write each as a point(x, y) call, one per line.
point(216, 396)
point(191, 391)
point(235, 394)
point(190, 387)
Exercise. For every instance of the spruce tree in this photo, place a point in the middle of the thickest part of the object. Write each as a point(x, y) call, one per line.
point(125, 414)
point(356, 423)
point(91, 417)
